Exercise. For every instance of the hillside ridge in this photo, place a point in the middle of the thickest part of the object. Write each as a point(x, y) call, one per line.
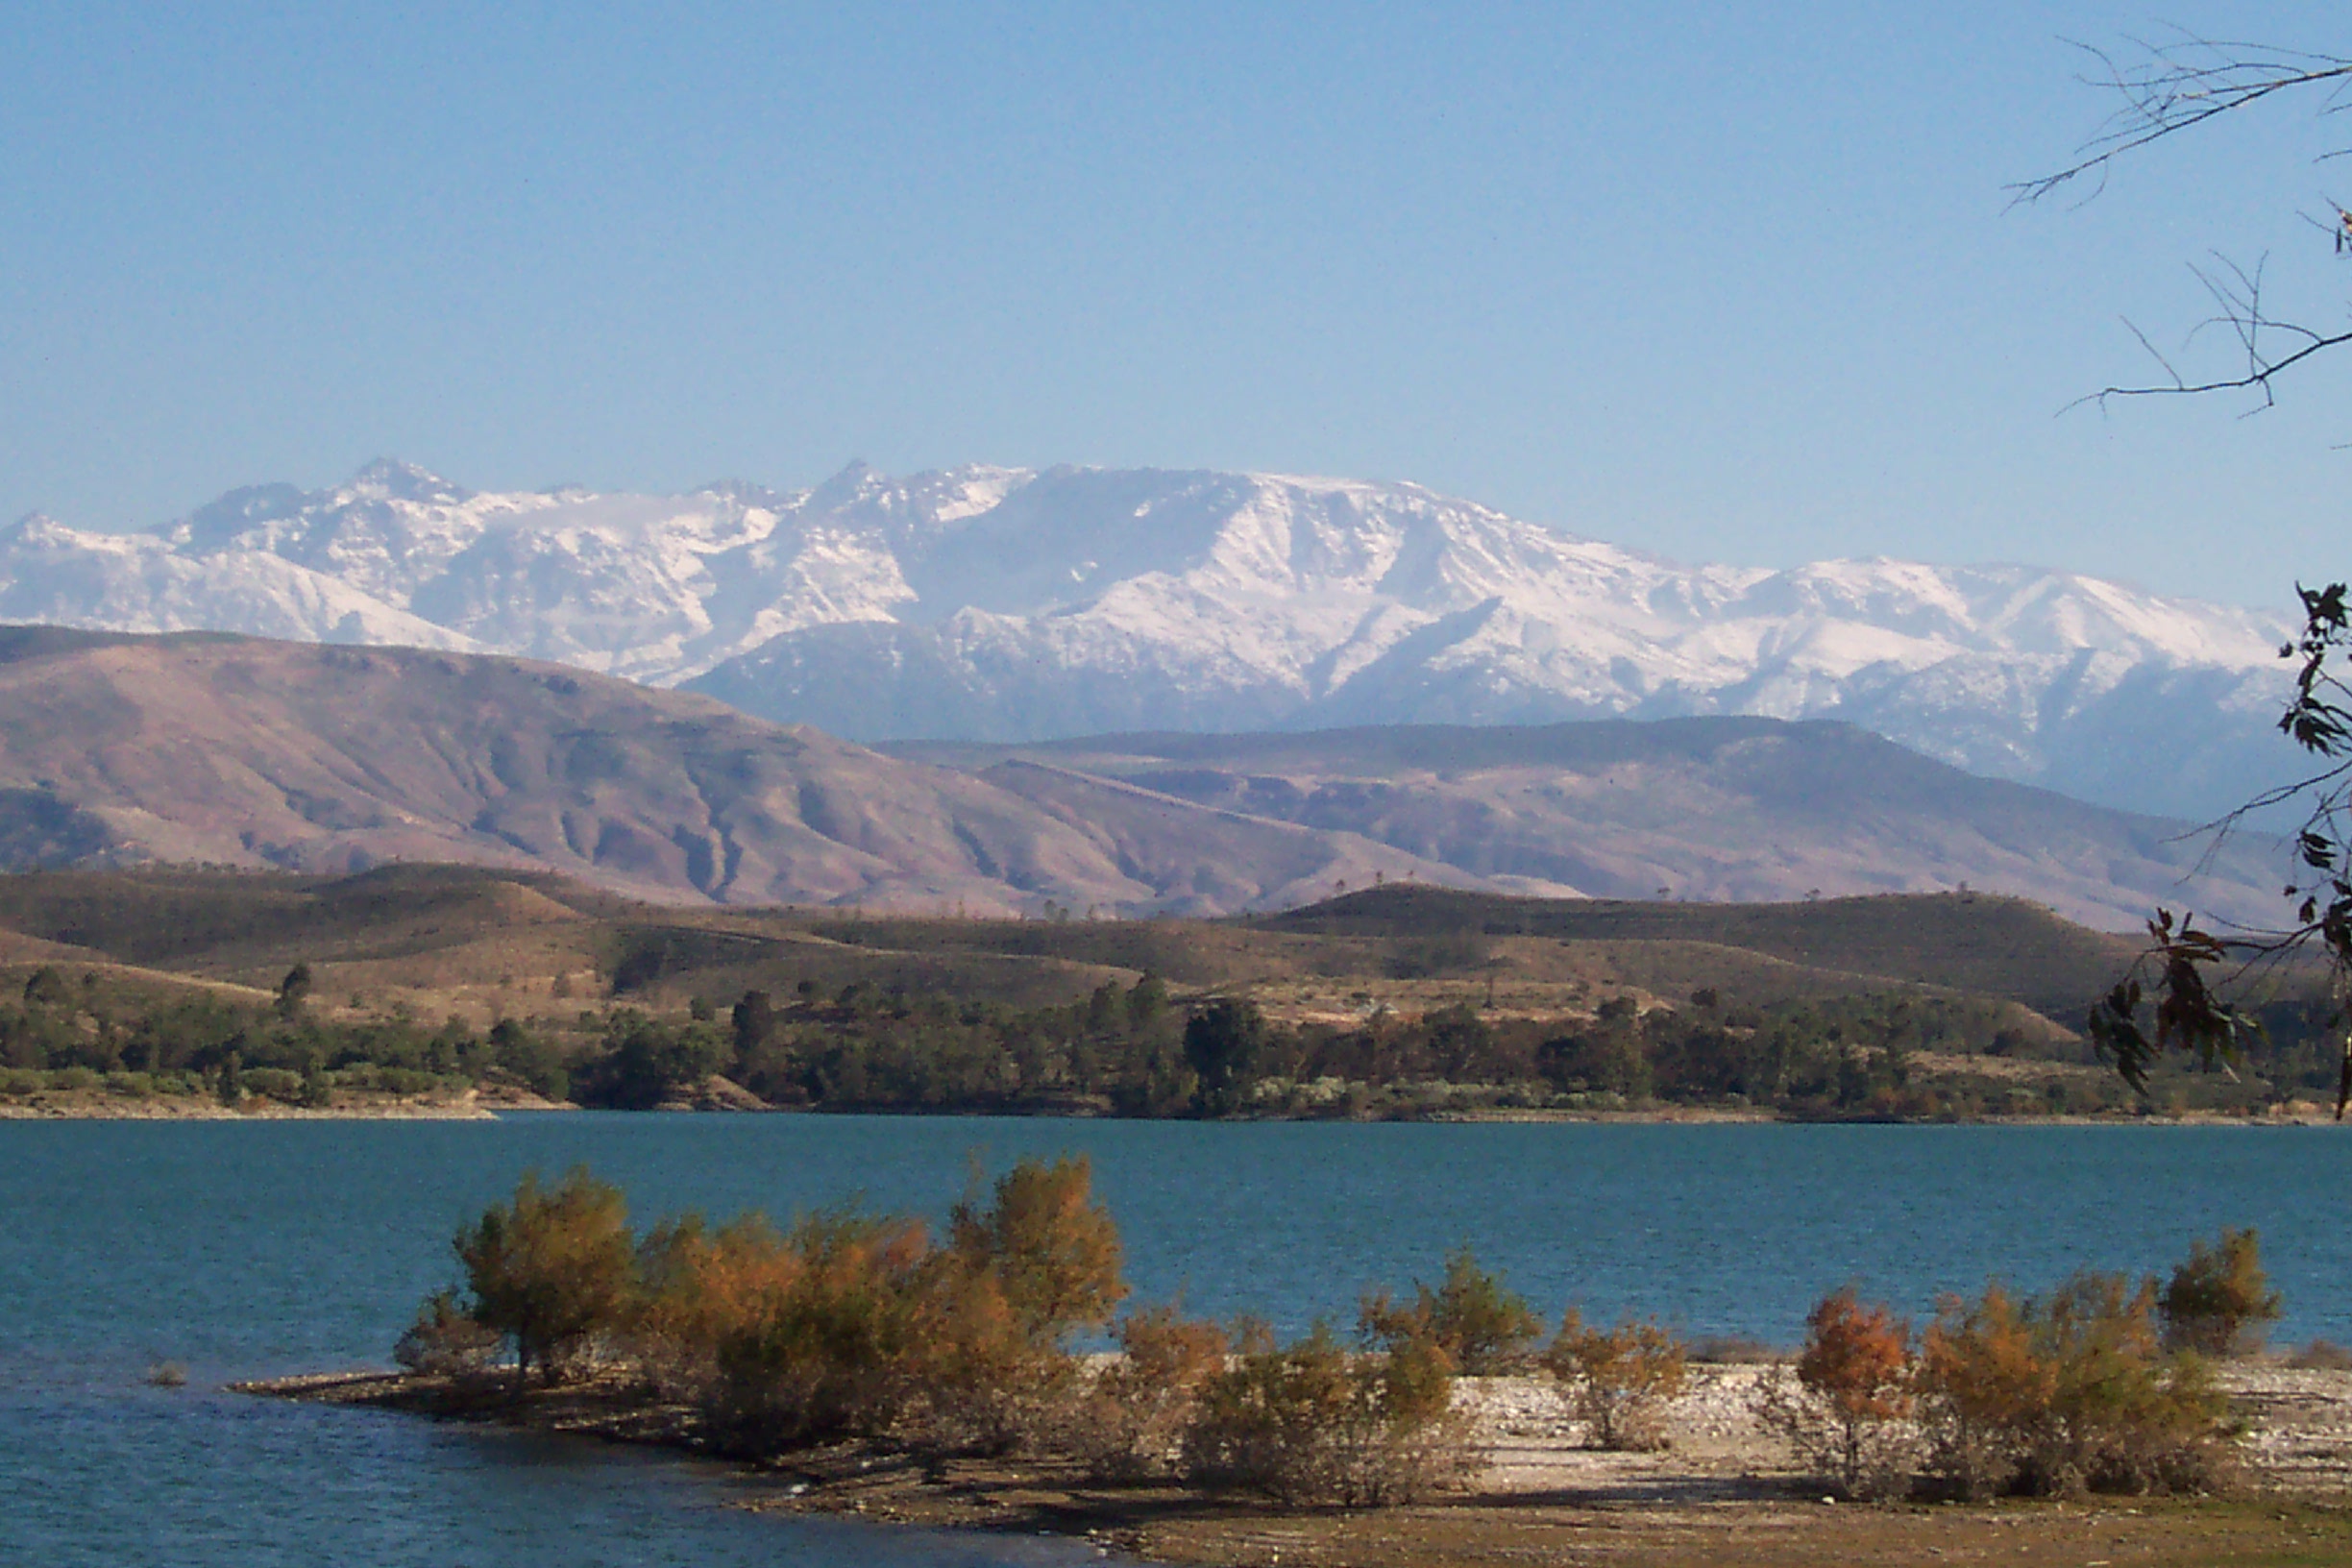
point(119, 749)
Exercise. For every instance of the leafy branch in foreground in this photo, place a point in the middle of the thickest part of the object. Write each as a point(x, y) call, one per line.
point(2190, 1011)
point(2194, 978)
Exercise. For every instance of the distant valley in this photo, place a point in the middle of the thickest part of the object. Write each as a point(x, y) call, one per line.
point(1741, 810)
point(1017, 606)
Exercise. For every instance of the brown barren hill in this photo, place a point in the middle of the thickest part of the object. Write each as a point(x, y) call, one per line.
point(208, 750)
point(243, 753)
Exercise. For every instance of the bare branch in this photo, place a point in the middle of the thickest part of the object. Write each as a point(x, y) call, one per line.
point(2257, 379)
point(2177, 87)
point(2240, 298)
point(2178, 381)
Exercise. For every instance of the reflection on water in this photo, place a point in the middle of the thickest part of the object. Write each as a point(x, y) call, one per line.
point(246, 1249)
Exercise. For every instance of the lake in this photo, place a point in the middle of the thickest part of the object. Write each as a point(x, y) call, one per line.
point(246, 1249)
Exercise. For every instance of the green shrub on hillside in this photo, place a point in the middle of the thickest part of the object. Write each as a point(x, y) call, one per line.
point(1224, 1043)
point(281, 1052)
point(645, 1060)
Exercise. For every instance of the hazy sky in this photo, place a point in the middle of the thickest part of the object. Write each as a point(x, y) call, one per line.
point(1723, 282)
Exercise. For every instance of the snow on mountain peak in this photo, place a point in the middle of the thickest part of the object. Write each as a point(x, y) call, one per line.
point(388, 479)
point(1016, 603)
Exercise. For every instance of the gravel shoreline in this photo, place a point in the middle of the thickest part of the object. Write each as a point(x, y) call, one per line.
point(1725, 1493)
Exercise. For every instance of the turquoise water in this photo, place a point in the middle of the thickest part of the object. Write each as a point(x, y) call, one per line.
point(252, 1249)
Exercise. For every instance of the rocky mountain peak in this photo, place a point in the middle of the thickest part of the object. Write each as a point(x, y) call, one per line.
point(388, 479)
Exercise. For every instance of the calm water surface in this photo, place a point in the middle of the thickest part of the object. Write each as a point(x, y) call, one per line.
point(251, 1249)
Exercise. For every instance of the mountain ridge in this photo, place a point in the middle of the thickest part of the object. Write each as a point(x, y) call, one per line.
point(1016, 604)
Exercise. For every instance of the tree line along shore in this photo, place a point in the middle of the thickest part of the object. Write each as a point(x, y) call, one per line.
point(1135, 1050)
point(411, 987)
point(1001, 1350)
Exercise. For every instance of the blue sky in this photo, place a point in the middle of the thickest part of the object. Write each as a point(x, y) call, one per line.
point(1723, 282)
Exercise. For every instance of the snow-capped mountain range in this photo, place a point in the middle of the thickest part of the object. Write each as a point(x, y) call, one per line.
point(996, 604)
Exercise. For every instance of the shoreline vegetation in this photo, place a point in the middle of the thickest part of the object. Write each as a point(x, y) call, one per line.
point(100, 1102)
point(490, 1103)
point(859, 1365)
point(450, 990)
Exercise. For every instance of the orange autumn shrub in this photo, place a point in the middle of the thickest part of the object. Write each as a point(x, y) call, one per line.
point(986, 1381)
point(1985, 1384)
point(2067, 1393)
point(1309, 1422)
point(1619, 1379)
point(856, 1326)
point(1049, 1244)
point(782, 1340)
point(1129, 1425)
point(1845, 1412)
point(1021, 1273)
